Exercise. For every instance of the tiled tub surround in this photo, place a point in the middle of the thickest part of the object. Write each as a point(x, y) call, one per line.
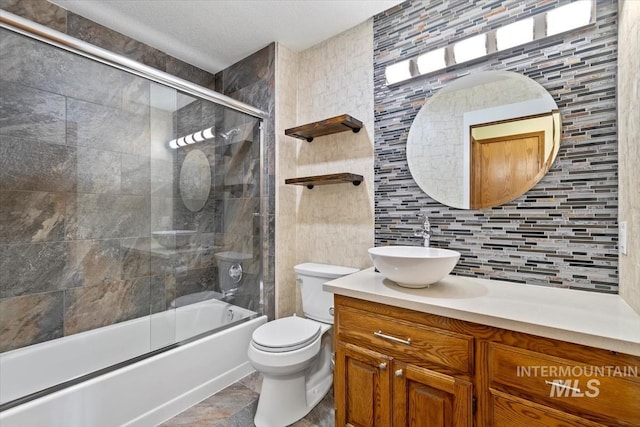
point(563, 232)
point(66, 216)
point(85, 177)
point(251, 80)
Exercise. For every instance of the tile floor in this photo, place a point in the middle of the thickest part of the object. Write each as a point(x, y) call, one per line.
point(236, 405)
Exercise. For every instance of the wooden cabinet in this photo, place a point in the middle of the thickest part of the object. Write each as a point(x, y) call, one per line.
point(362, 386)
point(422, 397)
point(374, 389)
point(397, 367)
point(392, 372)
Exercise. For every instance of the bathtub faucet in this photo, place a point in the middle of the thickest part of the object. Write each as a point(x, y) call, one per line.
point(229, 295)
point(425, 230)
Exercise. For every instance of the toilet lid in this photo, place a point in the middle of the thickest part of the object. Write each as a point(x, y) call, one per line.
point(285, 334)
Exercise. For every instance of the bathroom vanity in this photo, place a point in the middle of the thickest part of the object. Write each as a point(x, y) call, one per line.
point(482, 352)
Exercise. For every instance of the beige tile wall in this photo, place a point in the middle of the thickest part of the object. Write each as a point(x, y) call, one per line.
point(286, 152)
point(331, 224)
point(629, 146)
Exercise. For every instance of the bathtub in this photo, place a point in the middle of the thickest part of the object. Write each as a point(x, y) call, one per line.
point(143, 393)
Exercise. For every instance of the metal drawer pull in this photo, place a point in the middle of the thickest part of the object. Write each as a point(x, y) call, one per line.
point(562, 385)
point(382, 366)
point(379, 334)
point(398, 372)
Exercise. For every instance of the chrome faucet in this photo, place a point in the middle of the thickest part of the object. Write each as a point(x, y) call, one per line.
point(425, 230)
point(229, 296)
point(229, 134)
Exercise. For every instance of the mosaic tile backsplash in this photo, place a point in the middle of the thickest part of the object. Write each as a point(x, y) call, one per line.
point(563, 232)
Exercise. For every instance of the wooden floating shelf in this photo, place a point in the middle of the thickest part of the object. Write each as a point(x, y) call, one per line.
point(325, 127)
point(336, 178)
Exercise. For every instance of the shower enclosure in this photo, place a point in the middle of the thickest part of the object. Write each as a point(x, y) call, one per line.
point(127, 198)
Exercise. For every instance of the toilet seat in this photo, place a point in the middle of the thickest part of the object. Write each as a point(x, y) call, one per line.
point(286, 334)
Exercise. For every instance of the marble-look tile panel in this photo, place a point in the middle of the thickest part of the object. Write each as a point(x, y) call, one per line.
point(30, 319)
point(94, 33)
point(215, 409)
point(189, 118)
point(136, 96)
point(238, 216)
point(206, 220)
point(235, 157)
point(192, 281)
point(68, 74)
point(252, 80)
point(36, 166)
point(189, 72)
point(136, 175)
point(136, 257)
point(105, 128)
point(32, 216)
point(96, 306)
point(161, 176)
point(99, 171)
point(31, 113)
point(249, 71)
point(94, 262)
point(162, 292)
point(100, 216)
point(193, 258)
point(162, 213)
point(42, 12)
point(31, 268)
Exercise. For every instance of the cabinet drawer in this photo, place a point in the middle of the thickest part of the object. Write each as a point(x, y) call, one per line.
point(406, 341)
point(509, 411)
point(566, 383)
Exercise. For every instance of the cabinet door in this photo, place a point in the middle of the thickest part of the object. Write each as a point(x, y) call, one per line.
point(424, 398)
point(362, 382)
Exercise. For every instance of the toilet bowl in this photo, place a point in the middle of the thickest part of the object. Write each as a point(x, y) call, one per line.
point(294, 354)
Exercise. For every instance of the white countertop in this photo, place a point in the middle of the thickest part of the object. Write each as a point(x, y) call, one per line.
point(581, 317)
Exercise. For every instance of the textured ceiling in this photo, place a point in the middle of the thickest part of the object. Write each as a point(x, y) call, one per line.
point(213, 34)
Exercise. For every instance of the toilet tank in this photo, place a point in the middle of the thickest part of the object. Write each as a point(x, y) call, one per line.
point(316, 303)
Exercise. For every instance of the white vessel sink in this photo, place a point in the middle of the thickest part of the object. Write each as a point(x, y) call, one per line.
point(413, 266)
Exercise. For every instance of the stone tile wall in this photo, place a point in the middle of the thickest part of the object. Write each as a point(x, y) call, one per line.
point(83, 186)
point(252, 80)
point(563, 232)
point(74, 188)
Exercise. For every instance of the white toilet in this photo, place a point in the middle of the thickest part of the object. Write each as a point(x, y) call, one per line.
point(293, 354)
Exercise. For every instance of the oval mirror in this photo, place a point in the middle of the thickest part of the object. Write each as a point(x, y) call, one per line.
point(195, 180)
point(484, 140)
